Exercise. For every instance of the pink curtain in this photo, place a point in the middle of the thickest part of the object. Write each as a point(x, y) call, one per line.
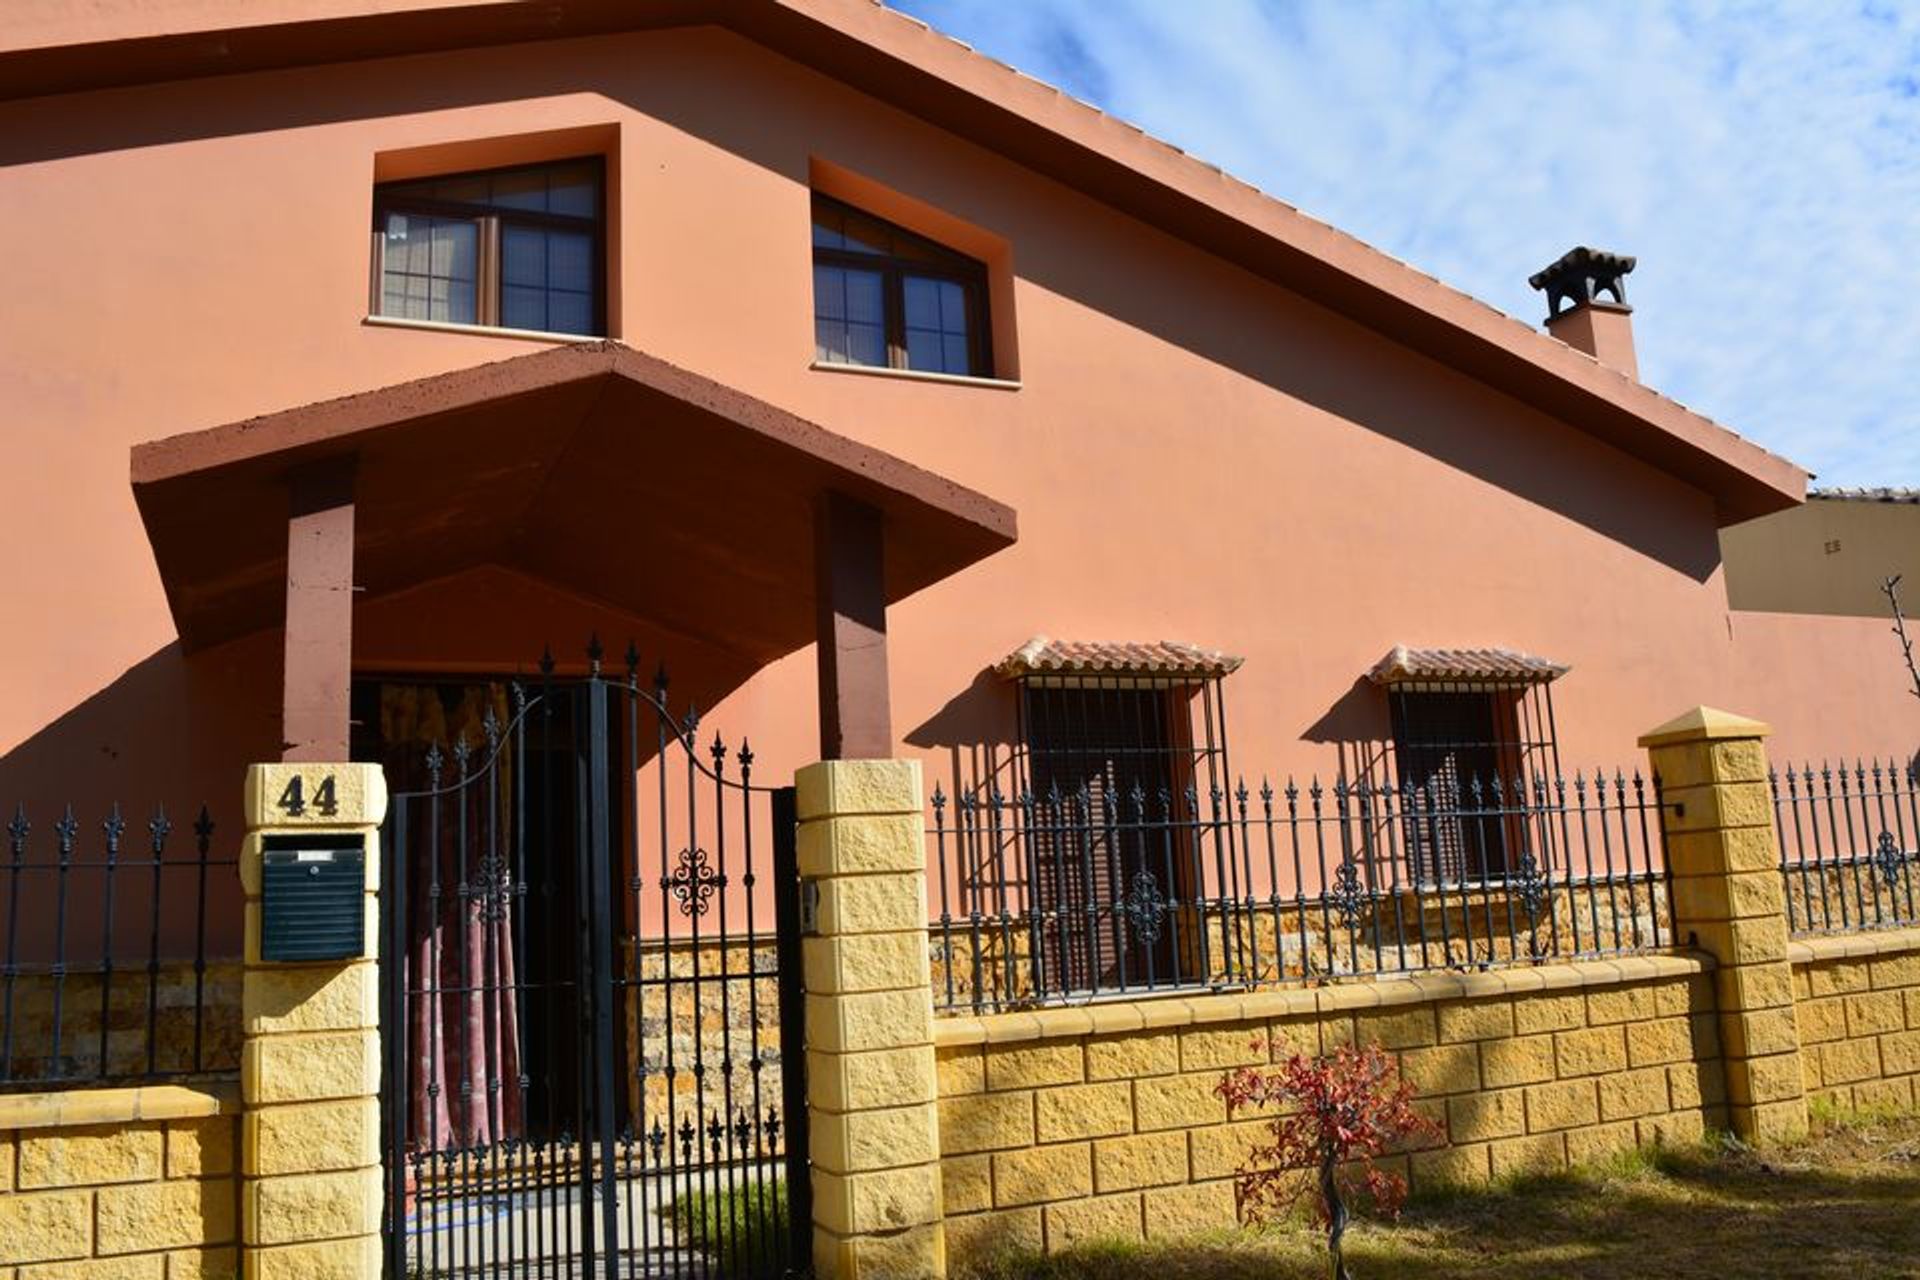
point(463, 1016)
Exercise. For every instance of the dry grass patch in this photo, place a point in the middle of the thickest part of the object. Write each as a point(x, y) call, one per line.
point(1846, 1204)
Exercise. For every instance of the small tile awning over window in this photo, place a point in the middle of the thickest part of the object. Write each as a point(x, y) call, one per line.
point(1404, 664)
point(1044, 656)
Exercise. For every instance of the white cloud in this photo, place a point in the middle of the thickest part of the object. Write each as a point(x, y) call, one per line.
point(1763, 163)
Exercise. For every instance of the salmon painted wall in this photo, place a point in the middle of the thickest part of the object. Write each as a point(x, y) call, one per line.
point(1195, 454)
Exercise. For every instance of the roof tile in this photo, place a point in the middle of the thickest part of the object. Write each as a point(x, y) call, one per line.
point(1042, 656)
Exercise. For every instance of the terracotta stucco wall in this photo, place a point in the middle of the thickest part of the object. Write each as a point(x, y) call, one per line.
point(1194, 453)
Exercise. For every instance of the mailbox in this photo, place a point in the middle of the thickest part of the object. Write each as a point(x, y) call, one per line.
point(312, 897)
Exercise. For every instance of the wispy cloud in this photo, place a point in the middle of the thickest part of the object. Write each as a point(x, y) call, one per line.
point(1762, 161)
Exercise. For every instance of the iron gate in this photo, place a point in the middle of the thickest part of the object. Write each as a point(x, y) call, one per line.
point(591, 998)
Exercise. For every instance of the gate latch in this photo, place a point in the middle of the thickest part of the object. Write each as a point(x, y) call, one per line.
point(809, 906)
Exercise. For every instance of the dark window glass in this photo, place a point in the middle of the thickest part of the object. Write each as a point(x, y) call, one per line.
point(885, 297)
point(1462, 752)
point(517, 248)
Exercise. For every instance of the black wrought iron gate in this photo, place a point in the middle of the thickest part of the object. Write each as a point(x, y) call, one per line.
point(591, 1011)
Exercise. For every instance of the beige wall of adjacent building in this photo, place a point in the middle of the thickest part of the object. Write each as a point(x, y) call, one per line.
point(1828, 556)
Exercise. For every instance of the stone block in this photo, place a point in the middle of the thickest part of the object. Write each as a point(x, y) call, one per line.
point(1522, 1157)
point(1674, 1129)
point(857, 1141)
point(1173, 1213)
point(888, 1200)
point(90, 1157)
point(1842, 1062)
point(966, 1184)
point(960, 1070)
point(1084, 1111)
point(147, 1216)
point(918, 1253)
point(359, 795)
point(1563, 1012)
point(1626, 1095)
point(1130, 1057)
point(45, 1226)
point(1584, 1146)
point(355, 1259)
point(200, 1148)
point(1223, 1049)
point(203, 1264)
point(133, 1266)
point(865, 962)
point(313, 1137)
point(1222, 1150)
point(1900, 1055)
point(1770, 1124)
point(831, 788)
point(1408, 1028)
point(1695, 1085)
point(275, 1001)
point(1658, 1043)
point(1627, 1003)
point(1072, 1222)
point(1773, 1079)
point(1875, 1013)
point(311, 1206)
point(1475, 1117)
point(869, 1020)
point(1703, 853)
point(1175, 1102)
point(1838, 978)
point(1039, 1174)
point(1758, 1032)
point(1590, 1051)
point(1475, 1020)
point(986, 1122)
point(1524, 1060)
point(1445, 1068)
point(1767, 986)
point(979, 1237)
point(894, 903)
point(1718, 805)
point(1454, 1166)
point(1029, 1066)
point(310, 1068)
point(864, 1081)
point(1142, 1160)
point(1566, 1104)
point(1884, 1095)
point(862, 846)
point(1892, 972)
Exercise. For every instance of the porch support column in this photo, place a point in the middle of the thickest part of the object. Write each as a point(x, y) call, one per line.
point(856, 722)
point(319, 631)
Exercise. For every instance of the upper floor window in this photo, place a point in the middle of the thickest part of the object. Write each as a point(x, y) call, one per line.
point(885, 297)
point(520, 248)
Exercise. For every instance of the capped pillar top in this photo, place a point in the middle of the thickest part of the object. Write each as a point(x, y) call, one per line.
point(1704, 724)
point(1579, 276)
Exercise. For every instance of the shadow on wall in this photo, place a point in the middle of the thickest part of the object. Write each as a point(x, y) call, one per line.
point(1180, 294)
point(976, 729)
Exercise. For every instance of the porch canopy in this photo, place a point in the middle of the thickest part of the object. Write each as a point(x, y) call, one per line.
point(609, 474)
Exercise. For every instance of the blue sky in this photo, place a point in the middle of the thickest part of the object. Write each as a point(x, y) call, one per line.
point(1761, 161)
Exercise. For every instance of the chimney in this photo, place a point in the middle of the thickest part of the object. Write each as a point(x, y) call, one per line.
point(1602, 329)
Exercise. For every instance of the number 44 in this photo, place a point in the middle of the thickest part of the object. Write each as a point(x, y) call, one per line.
point(293, 800)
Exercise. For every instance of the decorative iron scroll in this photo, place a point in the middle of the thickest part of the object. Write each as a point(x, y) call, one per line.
point(1530, 887)
point(1144, 907)
point(1889, 860)
point(693, 882)
point(1348, 896)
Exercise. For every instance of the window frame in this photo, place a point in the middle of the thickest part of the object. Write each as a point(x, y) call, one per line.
point(893, 270)
point(490, 219)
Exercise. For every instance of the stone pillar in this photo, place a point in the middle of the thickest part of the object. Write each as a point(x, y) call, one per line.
point(870, 1063)
point(1724, 858)
point(310, 1195)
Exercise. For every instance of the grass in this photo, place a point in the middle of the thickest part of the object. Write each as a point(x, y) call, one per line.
point(1844, 1204)
point(739, 1228)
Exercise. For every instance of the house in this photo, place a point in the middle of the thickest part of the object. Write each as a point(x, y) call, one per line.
point(894, 403)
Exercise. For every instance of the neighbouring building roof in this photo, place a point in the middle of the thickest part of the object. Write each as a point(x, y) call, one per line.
point(1404, 663)
point(58, 48)
point(1880, 493)
point(1044, 656)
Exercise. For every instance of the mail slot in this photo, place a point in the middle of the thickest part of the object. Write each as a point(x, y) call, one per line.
point(312, 897)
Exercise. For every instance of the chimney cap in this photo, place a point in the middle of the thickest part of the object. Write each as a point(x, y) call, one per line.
point(1580, 275)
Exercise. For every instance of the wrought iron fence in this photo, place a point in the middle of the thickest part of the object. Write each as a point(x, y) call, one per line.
point(1079, 896)
point(1849, 842)
point(106, 975)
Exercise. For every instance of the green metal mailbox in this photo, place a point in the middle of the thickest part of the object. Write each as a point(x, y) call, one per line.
point(312, 897)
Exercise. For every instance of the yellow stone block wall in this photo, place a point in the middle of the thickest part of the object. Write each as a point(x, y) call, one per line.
point(1857, 1008)
point(1065, 1125)
point(189, 1010)
point(112, 1183)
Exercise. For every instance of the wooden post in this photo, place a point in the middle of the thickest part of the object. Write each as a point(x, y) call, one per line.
point(856, 721)
point(319, 627)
